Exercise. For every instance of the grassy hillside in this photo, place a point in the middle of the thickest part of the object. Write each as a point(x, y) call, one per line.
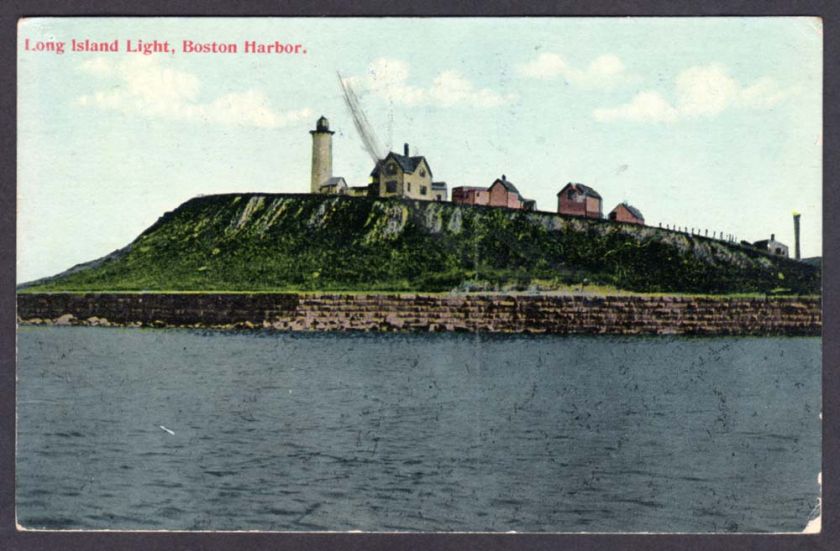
point(309, 242)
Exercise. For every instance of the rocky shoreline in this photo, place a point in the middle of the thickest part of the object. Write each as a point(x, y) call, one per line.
point(563, 314)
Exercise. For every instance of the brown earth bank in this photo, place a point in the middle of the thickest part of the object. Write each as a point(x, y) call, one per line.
point(616, 315)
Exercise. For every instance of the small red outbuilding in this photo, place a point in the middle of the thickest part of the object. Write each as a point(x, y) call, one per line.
point(579, 200)
point(501, 193)
point(627, 213)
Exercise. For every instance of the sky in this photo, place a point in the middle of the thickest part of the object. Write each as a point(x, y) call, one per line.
point(707, 123)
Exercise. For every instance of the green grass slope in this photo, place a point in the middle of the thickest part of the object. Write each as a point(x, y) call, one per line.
point(265, 242)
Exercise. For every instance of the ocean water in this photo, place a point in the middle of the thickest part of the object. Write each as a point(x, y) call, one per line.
point(389, 432)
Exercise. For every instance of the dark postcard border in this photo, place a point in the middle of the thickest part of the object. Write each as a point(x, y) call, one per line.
point(13, 540)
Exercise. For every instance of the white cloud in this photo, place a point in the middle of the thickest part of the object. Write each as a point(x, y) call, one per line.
point(706, 90)
point(546, 65)
point(764, 94)
point(388, 79)
point(702, 91)
point(147, 88)
point(646, 106)
point(604, 71)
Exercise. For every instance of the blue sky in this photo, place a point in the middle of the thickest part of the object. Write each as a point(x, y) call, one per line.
point(707, 123)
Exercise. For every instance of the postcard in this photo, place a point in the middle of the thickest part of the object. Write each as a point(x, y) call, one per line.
point(534, 275)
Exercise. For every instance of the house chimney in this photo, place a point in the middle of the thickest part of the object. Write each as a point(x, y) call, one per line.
point(405, 150)
point(504, 178)
point(796, 233)
point(772, 237)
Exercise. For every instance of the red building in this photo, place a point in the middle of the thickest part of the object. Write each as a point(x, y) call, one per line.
point(627, 213)
point(579, 200)
point(470, 195)
point(501, 193)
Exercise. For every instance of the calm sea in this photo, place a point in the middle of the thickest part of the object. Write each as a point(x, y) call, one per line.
point(443, 432)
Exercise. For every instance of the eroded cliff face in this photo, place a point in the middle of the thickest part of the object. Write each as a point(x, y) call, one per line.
point(242, 242)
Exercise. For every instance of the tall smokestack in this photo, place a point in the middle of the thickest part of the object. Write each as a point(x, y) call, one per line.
point(796, 233)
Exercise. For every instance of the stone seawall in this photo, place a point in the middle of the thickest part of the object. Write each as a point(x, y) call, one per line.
point(624, 315)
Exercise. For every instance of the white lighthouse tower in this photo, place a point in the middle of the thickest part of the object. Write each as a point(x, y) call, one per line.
point(321, 154)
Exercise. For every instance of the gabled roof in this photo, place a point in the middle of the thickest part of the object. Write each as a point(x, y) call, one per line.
point(580, 188)
point(633, 210)
point(334, 181)
point(766, 243)
point(407, 164)
point(506, 184)
point(589, 191)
